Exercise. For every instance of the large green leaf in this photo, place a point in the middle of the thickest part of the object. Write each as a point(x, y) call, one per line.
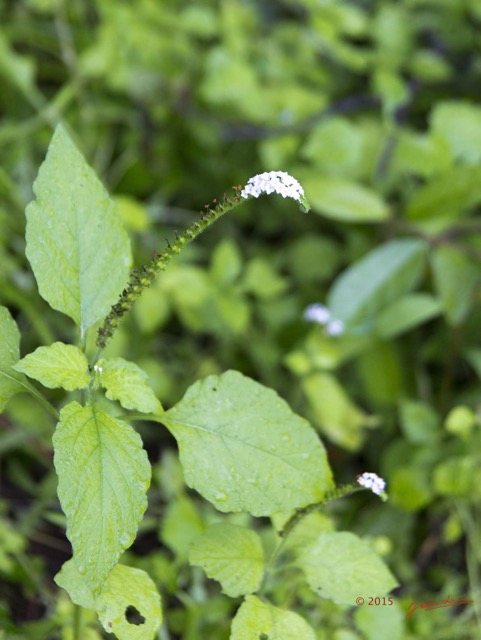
point(459, 123)
point(243, 448)
point(258, 619)
point(379, 278)
point(9, 355)
point(103, 474)
point(342, 567)
point(59, 365)
point(456, 278)
point(76, 244)
point(232, 555)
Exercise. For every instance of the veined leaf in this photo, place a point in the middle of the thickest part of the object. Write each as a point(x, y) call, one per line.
point(103, 474)
point(232, 555)
point(379, 278)
point(59, 365)
point(9, 355)
point(76, 244)
point(129, 605)
point(340, 566)
point(243, 448)
point(126, 382)
point(258, 619)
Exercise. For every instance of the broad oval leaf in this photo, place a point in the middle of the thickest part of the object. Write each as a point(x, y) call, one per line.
point(126, 382)
point(76, 244)
point(258, 619)
point(232, 555)
point(103, 475)
point(9, 355)
point(59, 365)
point(456, 279)
point(344, 200)
point(129, 605)
point(340, 566)
point(378, 279)
point(243, 448)
point(405, 313)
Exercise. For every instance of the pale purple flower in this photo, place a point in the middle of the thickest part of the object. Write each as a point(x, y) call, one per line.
point(335, 328)
point(317, 313)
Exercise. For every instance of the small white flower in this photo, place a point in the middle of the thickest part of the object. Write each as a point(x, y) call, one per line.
point(317, 313)
point(275, 182)
point(97, 368)
point(335, 328)
point(372, 481)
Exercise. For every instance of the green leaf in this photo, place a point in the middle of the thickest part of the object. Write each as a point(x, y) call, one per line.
point(459, 123)
point(343, 200)
point(9, 355)
point(129, 605)
point(340, 566)
point(103, 474)
point(126, 382)
point(76, 244)
point(335, 414)
point(456, 278)
point(257, 619)
point(59, 365)
point(70, 579)
point(384, 275)
point(373, 621)
point(447, 194)
point(232, 555)
point(243, 449)
point(180, 525)
point(407, 312)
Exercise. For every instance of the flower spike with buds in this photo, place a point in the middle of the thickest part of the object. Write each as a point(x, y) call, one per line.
point(276, 182)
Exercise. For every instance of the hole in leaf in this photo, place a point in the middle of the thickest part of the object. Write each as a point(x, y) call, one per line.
point(133, 615)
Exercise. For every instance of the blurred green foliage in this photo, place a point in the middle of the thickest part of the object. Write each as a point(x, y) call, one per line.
point(375, 106)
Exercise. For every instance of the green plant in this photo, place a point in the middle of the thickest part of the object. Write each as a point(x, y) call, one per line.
point(241, 447)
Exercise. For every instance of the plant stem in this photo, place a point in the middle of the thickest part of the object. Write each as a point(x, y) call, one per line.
point(143, 278)
point(77, 622)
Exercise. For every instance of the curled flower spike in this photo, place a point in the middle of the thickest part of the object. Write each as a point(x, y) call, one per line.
point(276, 182)
point(372, 481)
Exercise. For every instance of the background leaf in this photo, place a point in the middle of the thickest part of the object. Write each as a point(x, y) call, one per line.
point(341, 566)
point(9, 355)
point(232, 555)
point(379, 278)
point(103, 475)
point(76, 244)
point(456, 278)
point(59, 365)
point(242, 447)
point(259, 619)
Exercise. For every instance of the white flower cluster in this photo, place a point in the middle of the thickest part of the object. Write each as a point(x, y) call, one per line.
point(321, 314)
point(274, 182)
point(372, 481)
point(97, 368)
